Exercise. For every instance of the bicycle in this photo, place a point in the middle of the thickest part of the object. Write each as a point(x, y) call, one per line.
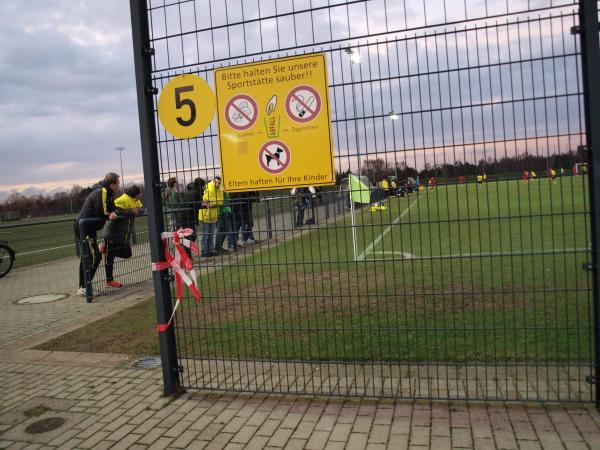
point(7, 258)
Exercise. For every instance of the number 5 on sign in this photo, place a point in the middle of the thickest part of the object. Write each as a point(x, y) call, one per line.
point(186, 106)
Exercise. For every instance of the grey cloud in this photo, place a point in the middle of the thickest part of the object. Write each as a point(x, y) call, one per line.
point(67, 90)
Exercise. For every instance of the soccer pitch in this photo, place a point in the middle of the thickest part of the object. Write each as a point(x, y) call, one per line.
point(469, 273)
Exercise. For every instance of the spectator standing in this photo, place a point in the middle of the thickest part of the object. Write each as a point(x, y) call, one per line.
point(225, 226)
point(302, 198)
point(242, 210)
point(99, 204)
point(208, 215)
point(171, 201)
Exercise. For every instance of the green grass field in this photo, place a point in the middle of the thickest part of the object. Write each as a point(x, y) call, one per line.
point(462, 273)
point(45, 240)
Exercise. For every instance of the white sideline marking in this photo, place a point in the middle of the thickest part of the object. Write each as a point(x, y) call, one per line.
point(406, 255)
point(373, 244)
point(475, 255)
point(44, 250)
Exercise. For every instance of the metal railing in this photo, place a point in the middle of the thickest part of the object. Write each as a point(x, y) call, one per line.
point(129, 271)
point(40, 241)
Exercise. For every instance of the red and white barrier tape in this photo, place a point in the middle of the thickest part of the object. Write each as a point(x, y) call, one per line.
point(181, 264)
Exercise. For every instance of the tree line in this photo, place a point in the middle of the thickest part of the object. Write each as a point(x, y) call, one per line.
point(509, 167)
point(70, 202)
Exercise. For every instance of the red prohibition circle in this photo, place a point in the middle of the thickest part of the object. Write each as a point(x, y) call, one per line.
point(293, 95)
point(279, 166)
point(250, 119)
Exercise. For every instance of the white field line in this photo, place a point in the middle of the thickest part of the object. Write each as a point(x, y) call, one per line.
point(44, 250)
point(377, 240)
point(475, 255)
point(64, 246)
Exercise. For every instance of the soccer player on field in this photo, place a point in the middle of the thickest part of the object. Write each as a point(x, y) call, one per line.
point(479, 179)
point(553, 175)
point(432, 183)
point(526, 176)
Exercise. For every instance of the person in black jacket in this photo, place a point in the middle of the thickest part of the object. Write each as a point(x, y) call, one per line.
point(98, 205)
point(242, 212)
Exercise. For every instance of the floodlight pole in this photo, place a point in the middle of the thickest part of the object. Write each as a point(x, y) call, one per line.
point(120, 148)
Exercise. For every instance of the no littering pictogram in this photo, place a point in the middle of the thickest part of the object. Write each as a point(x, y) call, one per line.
point(241, 112)
point(303, 104)
point(274, 157)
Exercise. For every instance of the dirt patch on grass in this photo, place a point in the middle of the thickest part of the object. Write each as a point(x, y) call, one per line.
point(339, 294)
point(289, 300)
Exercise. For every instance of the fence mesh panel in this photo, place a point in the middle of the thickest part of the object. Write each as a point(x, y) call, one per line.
point(463, 277)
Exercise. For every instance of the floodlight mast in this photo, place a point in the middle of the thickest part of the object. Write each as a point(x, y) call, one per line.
point(120, 148)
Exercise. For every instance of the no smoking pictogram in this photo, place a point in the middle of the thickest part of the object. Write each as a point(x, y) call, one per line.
point(274, 157)
point(241, 112)
point(303, 104)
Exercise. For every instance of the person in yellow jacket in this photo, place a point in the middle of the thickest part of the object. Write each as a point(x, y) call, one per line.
point(385, 185)
point(119, 234)
point(208, 214)
point(479, 179)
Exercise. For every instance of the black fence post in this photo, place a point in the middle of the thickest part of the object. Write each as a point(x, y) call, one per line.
point(142, 53)
point(85, 258)
point(590, 51)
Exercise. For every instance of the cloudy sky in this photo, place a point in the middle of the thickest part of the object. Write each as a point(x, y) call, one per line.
point(68, 92)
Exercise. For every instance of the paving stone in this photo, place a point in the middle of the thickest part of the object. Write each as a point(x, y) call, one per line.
point(280, 437)
point(304, 430)
point(398, 441)
point(257, 443)
point(326, 422)
point(362, 424)
point(461, 438)
point(379, 434)
point(441, 442)
point(529, 445)
point(357, 441)
point(484, 444)
point(317, 440)
point(219, 441)
point(340, 432)
point(419, 436)
point(184, 439)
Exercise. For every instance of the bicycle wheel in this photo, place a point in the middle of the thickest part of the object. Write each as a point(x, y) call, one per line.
point(7, 258)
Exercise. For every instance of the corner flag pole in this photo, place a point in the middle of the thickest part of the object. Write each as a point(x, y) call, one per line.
point(353, 215)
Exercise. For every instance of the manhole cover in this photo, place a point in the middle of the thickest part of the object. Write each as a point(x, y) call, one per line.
point(45, 425)
point(42, 298)
point(147, 362)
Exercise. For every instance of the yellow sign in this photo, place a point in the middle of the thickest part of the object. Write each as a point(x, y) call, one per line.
point(274, 125)
point(186, 106)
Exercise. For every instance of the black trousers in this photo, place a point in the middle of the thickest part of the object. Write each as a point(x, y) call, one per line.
point(115, 249)
point(91, 243)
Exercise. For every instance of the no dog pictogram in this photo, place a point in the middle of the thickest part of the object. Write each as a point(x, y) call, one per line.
point(303, 104)
point(241, 112)
point(274, 157)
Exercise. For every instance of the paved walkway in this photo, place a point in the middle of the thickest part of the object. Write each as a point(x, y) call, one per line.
point(115, 407)
point(26, 325)
point(104, 402)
